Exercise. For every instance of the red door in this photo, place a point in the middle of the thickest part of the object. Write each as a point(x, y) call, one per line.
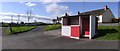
point(75, 31)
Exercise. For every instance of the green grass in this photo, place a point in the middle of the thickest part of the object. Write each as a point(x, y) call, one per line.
point(18, 29)
point(52, 27)
point(108, 33)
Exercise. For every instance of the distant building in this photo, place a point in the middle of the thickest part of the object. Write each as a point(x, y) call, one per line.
point(104, 15)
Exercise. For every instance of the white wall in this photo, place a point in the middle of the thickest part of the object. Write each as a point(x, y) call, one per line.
point(107, 16)
point(92, 26)
point(80, 23)
point(66, 30)
point(100, 18)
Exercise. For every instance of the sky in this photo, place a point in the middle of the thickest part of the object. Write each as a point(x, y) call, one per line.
point(52, 9)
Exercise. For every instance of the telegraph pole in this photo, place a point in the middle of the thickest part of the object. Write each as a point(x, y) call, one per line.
point(11, 24)
point(18, 21)
point(29, 14)
point(18, 18)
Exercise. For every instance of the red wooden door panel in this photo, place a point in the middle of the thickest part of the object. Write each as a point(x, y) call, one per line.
point(75, 31)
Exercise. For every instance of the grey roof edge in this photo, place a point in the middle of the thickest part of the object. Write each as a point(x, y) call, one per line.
point(87, 12)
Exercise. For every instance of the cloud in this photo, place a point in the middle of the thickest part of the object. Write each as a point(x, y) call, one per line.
point(10, 13)
point(6, 17)
point(69, 13)
point(21, 2)
point(55, 8)
point(61, 14)
point(30, 4)
point(50, 1)
point(52, 6)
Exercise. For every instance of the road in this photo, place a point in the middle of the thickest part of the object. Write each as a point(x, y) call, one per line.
point(0, 30)
point(109, 24)
point(0, 37)
point(40, 39)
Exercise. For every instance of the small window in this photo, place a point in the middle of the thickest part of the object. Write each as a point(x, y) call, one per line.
point(71, 21)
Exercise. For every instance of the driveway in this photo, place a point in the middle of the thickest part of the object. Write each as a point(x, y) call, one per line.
point(40, 39)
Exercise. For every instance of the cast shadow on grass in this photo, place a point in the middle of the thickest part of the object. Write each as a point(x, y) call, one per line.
point(103, 32)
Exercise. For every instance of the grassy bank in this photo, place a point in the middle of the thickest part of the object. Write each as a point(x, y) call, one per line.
point(18, 29)
point(108, 33)
point(52, 27)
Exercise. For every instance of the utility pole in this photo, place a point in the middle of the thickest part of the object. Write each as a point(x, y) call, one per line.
point(29, 14)
point(11, 24)
point(18, 19)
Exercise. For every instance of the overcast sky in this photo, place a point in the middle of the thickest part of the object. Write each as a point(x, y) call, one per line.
point(52, 9)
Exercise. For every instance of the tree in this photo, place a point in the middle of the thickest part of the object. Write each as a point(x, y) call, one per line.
point(2, 22)
point(22, 23)
point(54, 21)
point(58, 20)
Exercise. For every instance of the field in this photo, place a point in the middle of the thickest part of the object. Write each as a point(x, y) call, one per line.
point(18, 29)
point(52, 27)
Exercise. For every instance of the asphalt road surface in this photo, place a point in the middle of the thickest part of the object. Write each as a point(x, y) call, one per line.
point(40, 39)
point(0, 31)
point(0, 37)
point(109, 24)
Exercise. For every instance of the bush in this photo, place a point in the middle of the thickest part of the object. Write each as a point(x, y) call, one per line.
point(52, 27)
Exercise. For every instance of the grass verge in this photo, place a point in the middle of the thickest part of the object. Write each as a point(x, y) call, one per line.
point(108, 33)
point(18, 29)
point(52, 27)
